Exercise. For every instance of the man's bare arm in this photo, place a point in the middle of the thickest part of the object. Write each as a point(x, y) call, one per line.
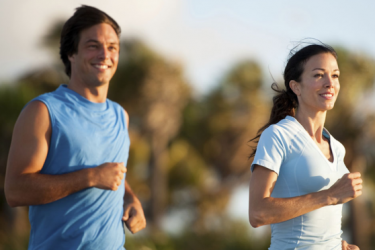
point(133, 217)
point(25, 185)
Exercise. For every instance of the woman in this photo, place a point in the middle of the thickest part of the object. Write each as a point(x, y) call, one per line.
point(299, 180)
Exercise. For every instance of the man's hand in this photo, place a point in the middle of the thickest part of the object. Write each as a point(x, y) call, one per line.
point(108, 175)
point(133, 216)
point(25, 185)
point(346, 246)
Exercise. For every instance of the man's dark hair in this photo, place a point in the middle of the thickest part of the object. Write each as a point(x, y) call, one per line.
point(83, 18)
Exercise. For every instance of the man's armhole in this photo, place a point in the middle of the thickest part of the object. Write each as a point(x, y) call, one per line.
point(50, 115)
point(126, 118)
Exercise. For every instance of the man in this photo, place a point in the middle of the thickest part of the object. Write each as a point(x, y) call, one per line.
point(69, 148)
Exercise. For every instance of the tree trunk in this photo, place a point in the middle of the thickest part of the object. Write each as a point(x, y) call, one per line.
point(360, 225)
point(158, 165)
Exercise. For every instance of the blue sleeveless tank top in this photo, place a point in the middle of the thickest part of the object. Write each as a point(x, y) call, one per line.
point(84, 135)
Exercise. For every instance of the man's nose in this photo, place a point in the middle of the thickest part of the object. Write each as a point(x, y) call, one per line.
point(104, 53)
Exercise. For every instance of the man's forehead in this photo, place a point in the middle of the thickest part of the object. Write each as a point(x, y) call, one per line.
point(98, 32)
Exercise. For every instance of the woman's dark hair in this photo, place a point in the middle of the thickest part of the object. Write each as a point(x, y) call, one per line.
point(285, 101)
point(84, 17)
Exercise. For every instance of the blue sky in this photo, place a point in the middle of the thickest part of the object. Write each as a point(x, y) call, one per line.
point(206, 37)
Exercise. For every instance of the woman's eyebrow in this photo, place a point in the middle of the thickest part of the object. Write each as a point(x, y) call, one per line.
point(324, 69)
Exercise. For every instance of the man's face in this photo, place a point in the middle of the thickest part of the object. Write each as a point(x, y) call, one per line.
point(96, 60)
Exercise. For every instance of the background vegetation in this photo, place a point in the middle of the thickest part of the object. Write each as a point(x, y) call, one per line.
point(188, 155)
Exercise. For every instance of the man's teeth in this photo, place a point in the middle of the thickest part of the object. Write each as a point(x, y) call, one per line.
point(101, 66)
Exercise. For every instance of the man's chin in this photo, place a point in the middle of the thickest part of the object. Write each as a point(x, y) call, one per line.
point(99, 82)
point(100, 78)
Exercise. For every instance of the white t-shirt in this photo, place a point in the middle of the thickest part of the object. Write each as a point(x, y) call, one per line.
point(287, 149)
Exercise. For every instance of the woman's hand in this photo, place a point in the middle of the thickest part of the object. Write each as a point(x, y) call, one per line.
point(345, 189)
point(346, 246)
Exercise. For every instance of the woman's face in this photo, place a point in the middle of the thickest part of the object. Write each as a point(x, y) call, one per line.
point(319, 85)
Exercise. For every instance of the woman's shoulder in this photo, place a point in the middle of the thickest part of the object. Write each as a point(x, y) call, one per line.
point(286, 128)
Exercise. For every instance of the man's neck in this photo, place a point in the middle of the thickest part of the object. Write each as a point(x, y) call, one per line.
point(97, 94)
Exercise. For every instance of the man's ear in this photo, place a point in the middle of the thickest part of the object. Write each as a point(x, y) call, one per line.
point(71, 58)
point(295, 86)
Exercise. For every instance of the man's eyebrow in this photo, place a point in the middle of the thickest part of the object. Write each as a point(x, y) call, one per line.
point(324, 69)
point(92, 41)
point(96, 41)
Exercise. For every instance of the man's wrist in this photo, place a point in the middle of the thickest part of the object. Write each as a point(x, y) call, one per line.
point(90, 177)
point(131, 198)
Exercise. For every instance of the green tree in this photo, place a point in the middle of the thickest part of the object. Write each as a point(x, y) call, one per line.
point(216, 131)
point(154, 92)
point(351, 123)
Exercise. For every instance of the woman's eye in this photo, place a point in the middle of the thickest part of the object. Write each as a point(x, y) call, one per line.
point(318, 75)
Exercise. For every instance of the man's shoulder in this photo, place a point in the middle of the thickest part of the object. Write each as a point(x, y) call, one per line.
point(46, 96)
point(115, 105)
point(119, 110)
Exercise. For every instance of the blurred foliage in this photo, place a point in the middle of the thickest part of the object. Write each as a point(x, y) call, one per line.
point(234, 236)
point(352, 123)
point(190, 155)
point(154, 92)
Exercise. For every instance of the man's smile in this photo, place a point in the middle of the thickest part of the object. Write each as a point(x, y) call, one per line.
point(101, 66)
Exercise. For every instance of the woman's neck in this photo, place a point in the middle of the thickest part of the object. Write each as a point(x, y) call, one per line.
point(313, 122)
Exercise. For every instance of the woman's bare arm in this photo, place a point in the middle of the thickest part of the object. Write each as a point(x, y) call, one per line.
point(264, 209)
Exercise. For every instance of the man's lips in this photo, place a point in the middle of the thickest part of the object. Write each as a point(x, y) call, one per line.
point(101, 66)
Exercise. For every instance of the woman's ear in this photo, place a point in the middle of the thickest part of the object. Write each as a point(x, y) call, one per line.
point(296, 87)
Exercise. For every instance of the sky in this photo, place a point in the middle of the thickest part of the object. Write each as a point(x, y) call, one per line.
point(207, 37)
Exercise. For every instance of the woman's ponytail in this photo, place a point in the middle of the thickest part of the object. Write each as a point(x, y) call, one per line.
point(284, 103)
